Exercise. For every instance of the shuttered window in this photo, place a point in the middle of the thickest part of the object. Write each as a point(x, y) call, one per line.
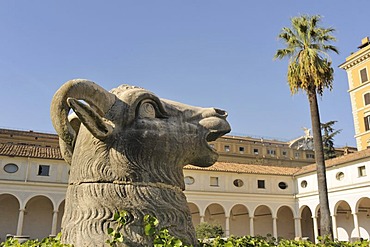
point(363, 74)
point(367, 123)
point(367, 98)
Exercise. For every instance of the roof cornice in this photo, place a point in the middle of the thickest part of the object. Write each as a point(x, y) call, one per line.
point(355, 59)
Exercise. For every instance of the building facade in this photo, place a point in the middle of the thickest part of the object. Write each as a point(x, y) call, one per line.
point(245, 198)
point(357, 66)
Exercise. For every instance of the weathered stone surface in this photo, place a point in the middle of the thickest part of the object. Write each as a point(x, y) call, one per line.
point(127, 149)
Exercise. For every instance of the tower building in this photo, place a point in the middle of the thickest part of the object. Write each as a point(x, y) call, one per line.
point(357, 66)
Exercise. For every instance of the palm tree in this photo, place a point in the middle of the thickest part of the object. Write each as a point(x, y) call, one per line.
point(310, 70)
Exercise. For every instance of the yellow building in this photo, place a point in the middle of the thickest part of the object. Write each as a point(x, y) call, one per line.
point(357, 66)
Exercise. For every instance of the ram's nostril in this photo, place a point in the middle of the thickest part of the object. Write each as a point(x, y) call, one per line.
point(220, 112)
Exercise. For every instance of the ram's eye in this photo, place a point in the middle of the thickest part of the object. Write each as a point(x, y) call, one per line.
point(146, 110)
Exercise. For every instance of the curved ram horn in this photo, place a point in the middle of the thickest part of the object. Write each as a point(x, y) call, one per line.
point(80, 89)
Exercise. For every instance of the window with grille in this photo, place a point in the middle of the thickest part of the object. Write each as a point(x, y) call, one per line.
point(363, 75)
point(271, 152)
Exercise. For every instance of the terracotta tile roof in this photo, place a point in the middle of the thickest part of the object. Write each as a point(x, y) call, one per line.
point(337, 161)
point(247, 168)
point(7, 149)
point(45, 152)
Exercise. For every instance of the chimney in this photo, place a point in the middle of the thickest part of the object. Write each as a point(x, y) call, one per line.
point(364, 42)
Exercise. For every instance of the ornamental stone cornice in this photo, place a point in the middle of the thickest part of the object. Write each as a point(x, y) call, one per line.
point(355, 59)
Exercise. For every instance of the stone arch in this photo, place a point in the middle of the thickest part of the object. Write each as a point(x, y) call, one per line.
point(344, 219)
point(307, 223)
point(9, 213)
point(60, 216)
point(215, 214)
point(262, 221)
point(239, 220)
point(285, 222)
point(288, 206)
point(38, 217)
point(195, 213)
point(317, 215)
point(363, 214)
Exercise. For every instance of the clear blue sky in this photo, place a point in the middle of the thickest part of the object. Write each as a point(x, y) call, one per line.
point(200, 52)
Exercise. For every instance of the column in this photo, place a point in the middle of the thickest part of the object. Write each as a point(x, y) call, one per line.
point(274, 227)
point(54, 224)
point(315, 228)
point(227, 226)
point(20, 221)
point(251, 226)
point(357, 227)
point(297, 227)
point(201, 218)
point(335, 228)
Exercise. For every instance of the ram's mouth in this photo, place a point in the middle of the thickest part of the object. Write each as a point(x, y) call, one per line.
point(215, 128)
point(213, 135)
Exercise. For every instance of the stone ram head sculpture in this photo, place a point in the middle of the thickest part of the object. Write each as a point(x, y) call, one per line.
point(127, 149)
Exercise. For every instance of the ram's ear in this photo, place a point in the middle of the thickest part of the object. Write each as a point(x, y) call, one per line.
point(91, 119)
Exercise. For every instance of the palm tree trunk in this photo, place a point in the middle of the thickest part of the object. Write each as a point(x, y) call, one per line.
point(326, 228)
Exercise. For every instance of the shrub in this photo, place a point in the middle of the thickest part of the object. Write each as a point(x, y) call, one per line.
point(206, 230)
point(162, 238)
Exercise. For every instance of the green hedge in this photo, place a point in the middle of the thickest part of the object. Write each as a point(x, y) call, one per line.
point(162, 238)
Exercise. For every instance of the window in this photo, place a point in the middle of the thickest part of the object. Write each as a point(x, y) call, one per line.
point(255, 150)
point(241, 150)
point(189, 180)
point(363, 75)
point(212, 145)
point(43, 170)
point(213, 181)
point(11, 168)
point(227, 148)
point(283, 185)
point(339, 176)
point(310, 156)
point(304, 184)
point(361, 171)
point(296, 155)
point(260, 184)
point(271, 152)
point(284, 153)
point(238, 183)
point(367, 98)
point(367, 122)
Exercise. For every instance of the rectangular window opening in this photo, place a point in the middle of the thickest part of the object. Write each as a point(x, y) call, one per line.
point(213, 181)
point(271, 152)
point(255, 150)
point(43, 170)
point(310, 156)
point(227, 148)
point(296, 155)
point(241, 150)
point(367, 98)
point(260, 184)
point(361, 171)
point(363, 75)
point(367, 122)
